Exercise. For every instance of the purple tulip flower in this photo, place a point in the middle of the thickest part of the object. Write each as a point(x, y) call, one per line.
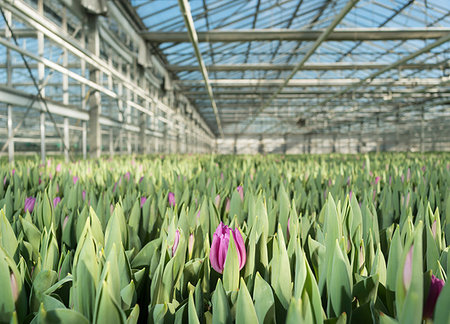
point(219, 247)
point(175, 243)
point(56, 201)
point(143, 200)
point(84, 194)
point(433, 294)
point(377, 179)
point(171, 198)
point(29, 204)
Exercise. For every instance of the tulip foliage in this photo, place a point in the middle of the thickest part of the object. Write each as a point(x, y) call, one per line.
point(222, 239)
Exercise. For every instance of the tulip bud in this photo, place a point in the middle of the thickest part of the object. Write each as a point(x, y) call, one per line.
point(191, 244)
point(29, 204)
point(288, 227)
point(75, 180)
point(58, 167)
point(14, 287)
point(219, 247)
point(407, 268)
point(66, 219)
point(56, 201)
point(227, 205)
point(241, 192)
point(171, 198)
point(143, 200)
point(217, 201)
point(175, 243)
point(84, 194)
point(433, 294)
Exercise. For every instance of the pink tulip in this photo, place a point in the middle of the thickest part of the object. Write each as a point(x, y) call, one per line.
point(407, 268)
point(75, 180)
point(377, 179)
point(14, 287)
point(241, 192)
point(56, 201)
point(58, 167)
point(128, 175)
point(66, 219)
point(191, 244)
point(143, 200)
point(84, 194)
point(433, 294)
point(217, 201)
point(175, 243)
point(219, 247)
point(433, 229)
point(171, 198)
point(29, 204)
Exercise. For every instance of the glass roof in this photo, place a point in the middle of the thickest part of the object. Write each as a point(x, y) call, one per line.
point(244, 74)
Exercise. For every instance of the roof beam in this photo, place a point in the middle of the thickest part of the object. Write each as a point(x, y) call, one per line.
point(239, 83)
point(189, 22)
point(344, 34)
point(323, 36)
point(310, 67)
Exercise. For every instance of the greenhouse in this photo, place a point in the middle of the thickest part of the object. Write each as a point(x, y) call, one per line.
point(224, 161)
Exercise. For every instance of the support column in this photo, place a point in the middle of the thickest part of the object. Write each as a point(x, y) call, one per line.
point(9, 81)
point(83, 100)
point(41, 75)
point(111, 142)
point(84, 139)
point(142, 136)
point(10, 135)
point(42, 130)
point(95, 139)
point(422, 130)
point(66, 139)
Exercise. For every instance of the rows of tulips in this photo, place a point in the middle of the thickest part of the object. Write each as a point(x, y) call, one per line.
point(221, 239)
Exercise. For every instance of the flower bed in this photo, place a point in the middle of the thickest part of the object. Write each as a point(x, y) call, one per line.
point(220, 239)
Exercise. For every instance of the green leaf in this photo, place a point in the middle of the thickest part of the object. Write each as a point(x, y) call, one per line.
point(281, 273)
point(245, 311)
point(220, 307)
point(62, 316)
point(340, 284)
point(442, 309)
point(7, 238)
point(192, 314)
point(264, 302)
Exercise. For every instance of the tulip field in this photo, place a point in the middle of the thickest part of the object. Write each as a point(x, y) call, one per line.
point(224, 239)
